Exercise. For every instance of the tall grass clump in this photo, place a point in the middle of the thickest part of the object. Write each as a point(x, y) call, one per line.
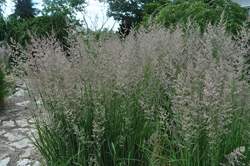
point(160, 97)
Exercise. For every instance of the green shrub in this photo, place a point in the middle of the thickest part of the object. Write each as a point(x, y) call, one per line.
point(19, 30)
point(200, 12)
point(158, 98)
point(3, 87)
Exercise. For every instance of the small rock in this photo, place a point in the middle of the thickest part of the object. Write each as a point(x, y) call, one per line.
point(8, 123)
point(24, 162)
point(5, 149)
point(19, 92)
point(2, 132)
point(3, 155)
point(21, 85)
point(37, 163)
point(22, 130)
point(12, 110)
point(22, 143)
point(23, 104)
point(27, 153)
point(39, 102)
point(22, 123)
point(31, 121)
point(13, 136)
point(5, 161)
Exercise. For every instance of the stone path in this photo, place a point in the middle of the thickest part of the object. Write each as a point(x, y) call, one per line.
point(16, 148)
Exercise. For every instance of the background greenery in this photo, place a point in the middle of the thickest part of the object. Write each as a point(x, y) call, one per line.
point(57, 14)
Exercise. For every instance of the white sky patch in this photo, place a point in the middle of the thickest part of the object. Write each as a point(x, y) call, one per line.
point(95, 14)
point(8, 8)
point(96, 17)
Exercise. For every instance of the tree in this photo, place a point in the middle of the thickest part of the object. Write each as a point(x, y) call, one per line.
point(201, 12)
point(128, 12)
point(24, 9)
point(63, 7)
point(2, 22)
point(3, 28)
point(20, 30)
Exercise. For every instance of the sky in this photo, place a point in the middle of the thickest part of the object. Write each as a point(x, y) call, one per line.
point(95, 14)
point(243, 2)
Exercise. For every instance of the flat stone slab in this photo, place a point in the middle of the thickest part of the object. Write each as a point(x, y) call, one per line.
point(13, 136)
point(23, 104)
point(3, 156)
point(24, 162)
point(24, 143)
point(5, 161)
point(37, 163)
point(22, 123)
point(2, 132)
point(27, 152)
point(9, 123)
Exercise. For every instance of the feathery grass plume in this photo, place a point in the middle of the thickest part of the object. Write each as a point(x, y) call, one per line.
point(160, 97)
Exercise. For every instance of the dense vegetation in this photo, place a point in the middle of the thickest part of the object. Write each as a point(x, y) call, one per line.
point(160, 97)
point(202, 12)
point(56, 13)
point(21, 30)
point(3, 87)
point(53, 19)
point(170, 13)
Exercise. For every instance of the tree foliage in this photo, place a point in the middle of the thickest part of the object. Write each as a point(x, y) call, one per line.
point(24, 9)
point(201, 12)
point(129, 12)
point(24, 21)
point(20, 30)
point(120, 9)
point(63, 7)
point(171, 13)
point(3, 29)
